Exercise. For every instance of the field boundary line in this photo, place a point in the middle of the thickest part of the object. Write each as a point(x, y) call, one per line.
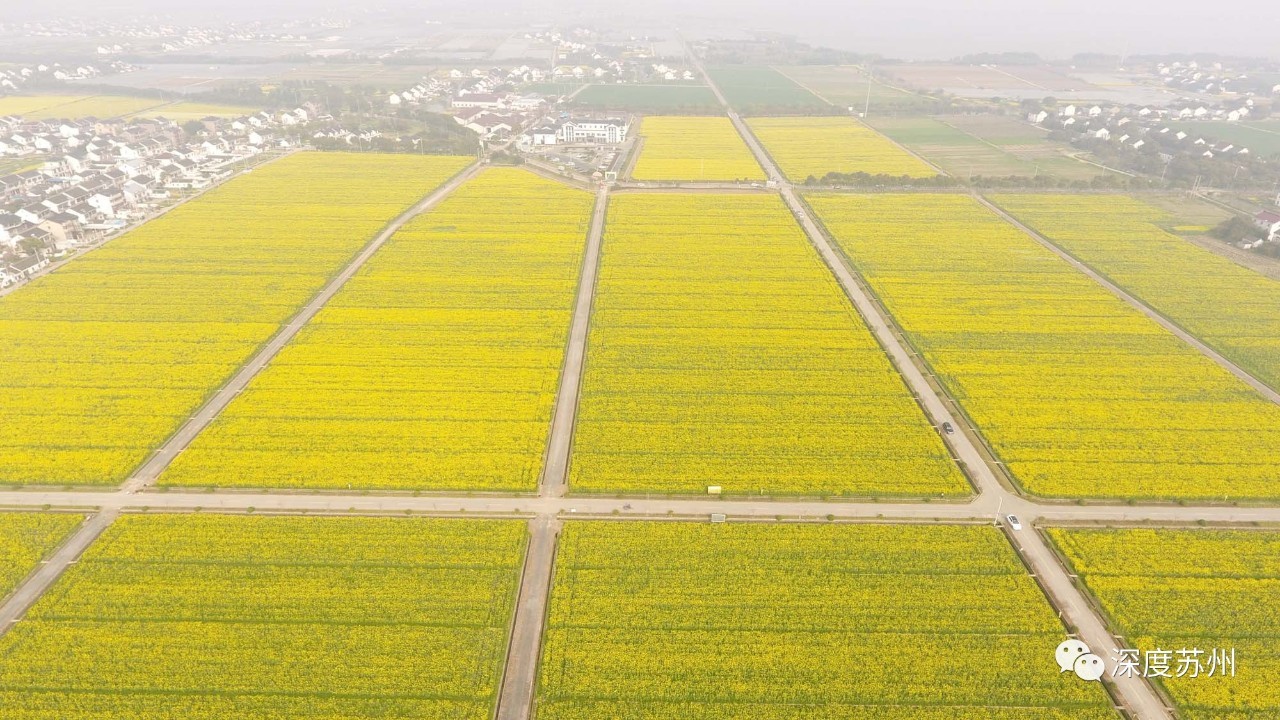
point(31, 589)
point(1134, 695)
point(904, 148)
point(1260, 264)
point(160, 459)
point(539, 168)
point(642, 507)
point(1078, 613)
point(633, 156)
point(1133, 301)
point(1008, 483)
point(984, 479)
point(1108, 168)
point(516, 697)
point(866, 70)
point(808, 89)
point(554, 479)
point(984, 141)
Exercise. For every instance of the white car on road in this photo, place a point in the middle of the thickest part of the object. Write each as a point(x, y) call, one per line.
point(1013, 522)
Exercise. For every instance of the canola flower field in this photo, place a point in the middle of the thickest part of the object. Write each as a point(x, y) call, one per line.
point(659, 621)
point(1232, 308)
point(722, 352)
point(1191, 589)
point(806, 147)
point(210, 617)
point(1079, 394)
point(435, 367)
point(107, 356)
point(693, 148)
point(74, 107)
point(104, 107)
point(25, 538)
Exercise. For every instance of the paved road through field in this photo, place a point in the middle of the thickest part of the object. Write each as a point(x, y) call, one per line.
point(515, 701)
point(980, 508)
point(1136, 694)
point(555, 472)
point(156, 464)
point(1266, 390)
point(50, 570)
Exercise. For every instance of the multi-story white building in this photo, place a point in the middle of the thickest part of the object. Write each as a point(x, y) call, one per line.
point(608, 130)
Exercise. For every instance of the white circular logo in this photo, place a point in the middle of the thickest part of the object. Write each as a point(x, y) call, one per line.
point(1089, 667)
point(1067, 653)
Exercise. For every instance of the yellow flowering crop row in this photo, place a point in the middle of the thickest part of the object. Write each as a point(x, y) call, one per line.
point(25, 538)
point(200, 616)
point(107, 356)
point(1191, 589)
point(102, 107)
point(1078, 393)
point(435, 367)
point(815, 146)
point(654, 621)
point(722, 352)
point(1234, 309)
point(694, 148)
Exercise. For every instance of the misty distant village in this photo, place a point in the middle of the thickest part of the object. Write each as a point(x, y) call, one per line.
point(96, 178)
point(91, 179)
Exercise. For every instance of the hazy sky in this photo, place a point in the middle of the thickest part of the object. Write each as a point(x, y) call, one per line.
point(898, 28)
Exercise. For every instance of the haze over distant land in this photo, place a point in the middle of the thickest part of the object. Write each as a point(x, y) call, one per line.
point(909, 29)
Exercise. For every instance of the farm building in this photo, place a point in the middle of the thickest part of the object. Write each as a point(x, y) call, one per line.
point(1268, 222)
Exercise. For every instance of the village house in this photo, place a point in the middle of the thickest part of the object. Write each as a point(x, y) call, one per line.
point(1268, 222)
point(23, 268)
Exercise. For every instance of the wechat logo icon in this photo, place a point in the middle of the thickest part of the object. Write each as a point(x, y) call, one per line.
point(1074, 656)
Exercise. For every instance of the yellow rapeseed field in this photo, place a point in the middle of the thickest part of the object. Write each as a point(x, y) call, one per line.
point(43, 107)
point(436, 367)
point(1191, 589)
point(814, 146)
point(694, 148)
point(722, 352)
point(103, 107)
point(1234, 309)
point(685, 621)
point(30, 106)
point(1077, 392)
point(25, 537)
point(207, 617)
point(106, 357)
